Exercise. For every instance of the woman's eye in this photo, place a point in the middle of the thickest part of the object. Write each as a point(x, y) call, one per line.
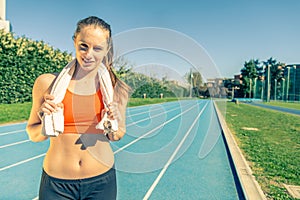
point(98, 49)
point(83, 47)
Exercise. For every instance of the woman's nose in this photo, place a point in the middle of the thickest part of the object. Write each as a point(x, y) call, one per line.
point(88, 54)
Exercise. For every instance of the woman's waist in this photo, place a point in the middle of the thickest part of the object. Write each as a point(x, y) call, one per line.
point(74, 156)
point(82, 128)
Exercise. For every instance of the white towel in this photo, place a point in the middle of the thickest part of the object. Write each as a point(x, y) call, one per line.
point(53, 124)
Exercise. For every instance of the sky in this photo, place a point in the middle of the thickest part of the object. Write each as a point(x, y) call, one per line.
point(229, 32)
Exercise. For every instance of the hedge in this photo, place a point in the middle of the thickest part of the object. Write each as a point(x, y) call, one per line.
point(22, 60)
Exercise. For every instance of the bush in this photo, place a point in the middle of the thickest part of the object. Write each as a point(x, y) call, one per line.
point(22, 60)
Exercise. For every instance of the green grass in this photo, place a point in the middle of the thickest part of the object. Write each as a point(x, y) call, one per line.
point(139, 101)
point(14, 112)
point(290, 105)
point(273, 150)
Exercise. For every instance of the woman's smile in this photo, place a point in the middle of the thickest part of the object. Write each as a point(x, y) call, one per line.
point(87, 62)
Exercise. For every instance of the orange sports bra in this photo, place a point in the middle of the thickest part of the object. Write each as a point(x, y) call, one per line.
point(82, 112)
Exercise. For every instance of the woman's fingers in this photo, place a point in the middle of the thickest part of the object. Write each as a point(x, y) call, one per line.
point(113, 112)
point(49, 106)
point(48, 97)
point(60, 105)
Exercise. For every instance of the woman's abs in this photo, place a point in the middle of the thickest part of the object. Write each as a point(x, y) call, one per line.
point(77, 156)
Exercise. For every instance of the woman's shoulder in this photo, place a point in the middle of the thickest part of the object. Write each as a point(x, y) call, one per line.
point(45, 80)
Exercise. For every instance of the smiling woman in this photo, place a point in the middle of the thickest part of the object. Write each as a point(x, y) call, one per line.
point(80, 158)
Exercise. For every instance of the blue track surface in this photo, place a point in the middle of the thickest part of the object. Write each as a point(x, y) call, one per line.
point(171, 151)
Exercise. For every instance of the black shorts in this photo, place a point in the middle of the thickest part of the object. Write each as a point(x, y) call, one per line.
point(103, 186)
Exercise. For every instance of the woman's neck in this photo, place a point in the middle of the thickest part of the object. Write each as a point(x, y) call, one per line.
point(81, 73)
point(84, 82)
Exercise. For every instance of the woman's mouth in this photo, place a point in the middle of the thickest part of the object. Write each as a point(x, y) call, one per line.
point(87, 62)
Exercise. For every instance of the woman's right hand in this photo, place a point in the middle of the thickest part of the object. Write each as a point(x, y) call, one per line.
point(49, 106)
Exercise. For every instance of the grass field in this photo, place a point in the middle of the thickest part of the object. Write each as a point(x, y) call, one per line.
point(14, 112)
point(270, 142)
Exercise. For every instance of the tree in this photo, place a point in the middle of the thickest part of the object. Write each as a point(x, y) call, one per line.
point(195, 78)
point(249, 74)
point(142, 84)
point(122, 67)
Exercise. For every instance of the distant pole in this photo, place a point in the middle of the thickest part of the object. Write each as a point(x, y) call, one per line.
point(294, 82)
point(254, 88)
point(275, 89)
point(268, 85)
point(250, 88)
point(282, 89)
point(288, 85)
point(262, 89)
point(191, 90)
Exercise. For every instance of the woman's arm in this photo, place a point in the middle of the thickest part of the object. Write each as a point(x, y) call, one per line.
point(118, 109)
point(41, 88)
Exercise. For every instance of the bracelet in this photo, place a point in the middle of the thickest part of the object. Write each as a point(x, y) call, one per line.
point(113, 135)
point(40, 114)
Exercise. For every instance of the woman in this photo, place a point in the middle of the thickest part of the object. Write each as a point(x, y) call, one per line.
point(79, 162)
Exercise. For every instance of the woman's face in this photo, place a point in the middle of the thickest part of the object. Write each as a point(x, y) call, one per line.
point(91, 47)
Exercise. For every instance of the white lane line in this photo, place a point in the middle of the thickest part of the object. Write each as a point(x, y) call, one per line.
point(36, 198)
point(12, 144)
point(22, 162)
point(12, 132)
point(153, 105)
point(147, 111)
point(151, 189)
point(142, 136)
point(133, 123)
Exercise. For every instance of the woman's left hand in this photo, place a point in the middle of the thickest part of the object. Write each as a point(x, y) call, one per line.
point(113, 136)
point(113, 111)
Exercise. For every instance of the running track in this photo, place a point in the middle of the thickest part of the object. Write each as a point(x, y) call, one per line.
point(171, 151)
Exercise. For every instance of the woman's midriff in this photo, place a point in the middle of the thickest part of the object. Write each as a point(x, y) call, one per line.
point(77, 156)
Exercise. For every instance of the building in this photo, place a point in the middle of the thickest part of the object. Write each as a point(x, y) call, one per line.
point(291, 84)
point(4, 24)
point(216, 87)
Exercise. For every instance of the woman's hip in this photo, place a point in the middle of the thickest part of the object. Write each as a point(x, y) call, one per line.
point(102, 186)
